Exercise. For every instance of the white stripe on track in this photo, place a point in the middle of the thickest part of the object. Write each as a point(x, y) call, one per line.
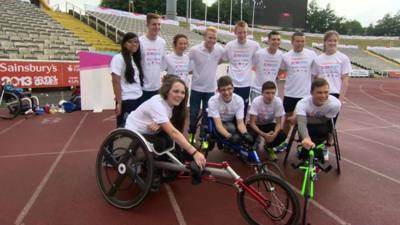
point(44, 153)
point(365, 128)
point(377, 99)
point(39, 189)
point(322, 208)
point(11, 127)
point(175, 206)
point(372, 141)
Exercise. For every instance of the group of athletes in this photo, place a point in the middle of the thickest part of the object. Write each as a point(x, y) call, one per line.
point(157, 107)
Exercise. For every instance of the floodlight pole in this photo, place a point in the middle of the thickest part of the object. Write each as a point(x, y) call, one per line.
point(230, 19)
point(205, 13)
point(241, 9)
point(218, 13)
point(252, 23)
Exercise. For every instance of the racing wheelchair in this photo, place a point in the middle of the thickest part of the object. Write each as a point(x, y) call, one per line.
point(126, 180)
point(14, 101)
point(206, 132)
point(312, 163)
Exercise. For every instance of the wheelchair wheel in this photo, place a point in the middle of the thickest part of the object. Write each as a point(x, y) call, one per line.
point(124, 169)
point(271, 168)
point(10, 106)
point(283, 207)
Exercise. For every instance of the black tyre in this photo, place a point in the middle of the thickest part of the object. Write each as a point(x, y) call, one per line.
point(124, 169)
point(283, 205)
point(10, 106)
point(271, 168)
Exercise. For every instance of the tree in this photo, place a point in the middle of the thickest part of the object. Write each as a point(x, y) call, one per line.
point(319, 20)
point(388, 25)
point(115, 4)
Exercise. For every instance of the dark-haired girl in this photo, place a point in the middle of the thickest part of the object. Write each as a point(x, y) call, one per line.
point(127, 77)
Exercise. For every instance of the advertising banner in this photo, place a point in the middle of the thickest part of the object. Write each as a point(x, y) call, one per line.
point(39, 74)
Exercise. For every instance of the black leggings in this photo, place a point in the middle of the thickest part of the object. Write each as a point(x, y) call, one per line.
point(161, 141)
point(281, 137)
point(319, 132)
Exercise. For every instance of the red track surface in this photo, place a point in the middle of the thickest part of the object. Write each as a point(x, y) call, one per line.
point(48, 176)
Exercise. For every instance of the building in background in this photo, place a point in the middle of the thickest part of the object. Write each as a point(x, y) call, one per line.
point(282, 13)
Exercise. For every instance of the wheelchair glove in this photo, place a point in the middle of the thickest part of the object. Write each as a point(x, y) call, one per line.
point(234, 139)
point(247, 138)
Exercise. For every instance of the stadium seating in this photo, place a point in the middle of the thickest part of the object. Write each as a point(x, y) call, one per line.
point(127, 24)
point(26, 32)
point(367, 61)
point(389, 53)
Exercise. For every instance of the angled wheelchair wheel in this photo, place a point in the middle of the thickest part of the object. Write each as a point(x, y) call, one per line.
point(124, 169)
point(10, 106)
point(283, 207)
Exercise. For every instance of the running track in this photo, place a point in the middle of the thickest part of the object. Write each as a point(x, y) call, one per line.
point(48, 176)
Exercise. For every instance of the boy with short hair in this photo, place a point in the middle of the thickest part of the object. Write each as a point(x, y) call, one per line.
point(266, 114)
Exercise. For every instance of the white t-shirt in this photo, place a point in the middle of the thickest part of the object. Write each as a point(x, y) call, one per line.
point(218, 108)
point(298, 67)
point(240, 57)
point(205, 64)
point(178, 65)
point(267, 67)
point(156, 110)
point(128, 91)
point(332, 68)
point(266, 113)
point(153, 53)
point(306, 107)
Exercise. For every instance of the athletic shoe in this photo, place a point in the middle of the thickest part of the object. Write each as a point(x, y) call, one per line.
point(191, 139)
point(204, 145)
point(271, 154)
point(281, 148)
point(325, 152)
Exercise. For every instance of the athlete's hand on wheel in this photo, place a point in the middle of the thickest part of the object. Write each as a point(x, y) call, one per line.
point(200, 159)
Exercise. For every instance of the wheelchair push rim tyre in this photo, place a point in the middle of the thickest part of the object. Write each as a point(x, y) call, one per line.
point(124, 169)
point(283, 205)
point(10, 105)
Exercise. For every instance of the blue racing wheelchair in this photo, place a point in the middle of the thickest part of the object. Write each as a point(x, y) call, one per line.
point(207, 136)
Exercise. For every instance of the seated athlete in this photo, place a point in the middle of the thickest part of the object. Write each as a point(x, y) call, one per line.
point(227, 112)
point(314, 113)
point(266, 114)
point(162, 117)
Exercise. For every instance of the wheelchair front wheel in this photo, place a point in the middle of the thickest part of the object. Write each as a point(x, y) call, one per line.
point(10, 106)
point(283, 207)
point(124, 169)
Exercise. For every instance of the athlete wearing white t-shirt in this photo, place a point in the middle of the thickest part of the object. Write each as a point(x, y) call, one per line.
point(127, 77)
point(314, 113)
point(224, 108)
point(240, 54)
point(153, 49)
point(266, 114)
point(333, 66)
point(161, 118)
point(268, 63)
point(178, 63)
point(297, 62)
point(205, 58)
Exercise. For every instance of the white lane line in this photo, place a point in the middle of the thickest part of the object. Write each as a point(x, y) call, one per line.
point(175, 206)
point(372, 141)
point(322, 208)
point(388, 92)
point(366, 128)
point(374, 115)
point(369, 169)
point(44, 153)
point(12, 126)
point(43, 183)
point(377, 99)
